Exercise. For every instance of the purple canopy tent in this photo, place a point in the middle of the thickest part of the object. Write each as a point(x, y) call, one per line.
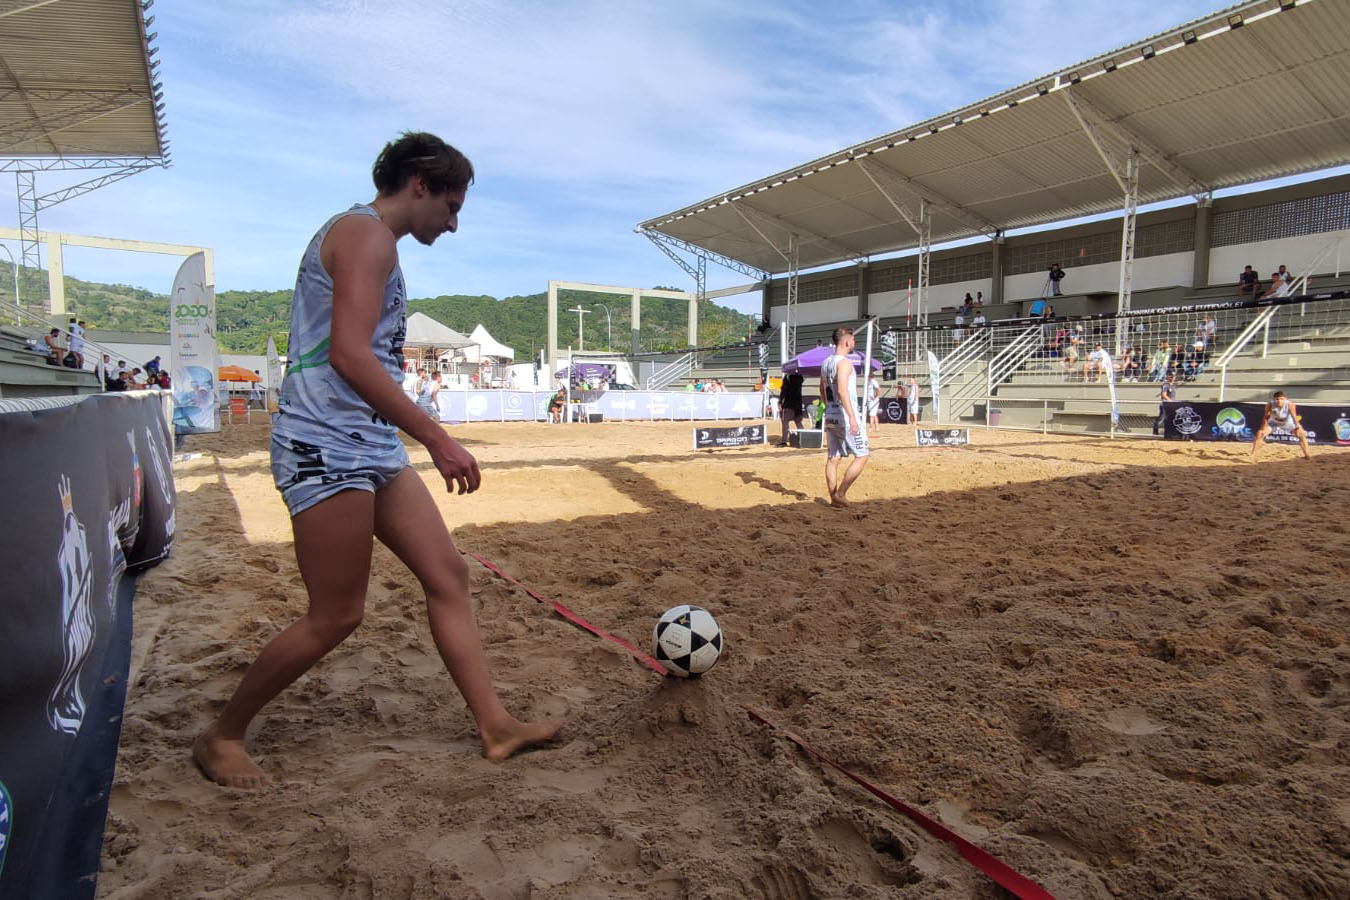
point(809, 363)
point(586, 370)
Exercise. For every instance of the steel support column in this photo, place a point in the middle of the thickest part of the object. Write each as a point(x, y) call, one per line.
point(29, 254)
point(925, 257)
point(1127, 235)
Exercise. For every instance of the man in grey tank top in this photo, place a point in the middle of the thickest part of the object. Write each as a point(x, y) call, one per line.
point(340, 465)
point(1281, 417)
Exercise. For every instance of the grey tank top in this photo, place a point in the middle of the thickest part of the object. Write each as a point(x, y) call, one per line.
point(834, 404)
point(317, 405)
point(1281, 416)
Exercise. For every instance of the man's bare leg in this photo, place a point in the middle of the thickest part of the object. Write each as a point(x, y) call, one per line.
point(408, 523)
point(831, 466)
point(855, 467)
point(1258, 441)
point(332, 546)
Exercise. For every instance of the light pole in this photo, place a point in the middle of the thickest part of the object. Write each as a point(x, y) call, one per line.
point(609, 328)
point(581, 343)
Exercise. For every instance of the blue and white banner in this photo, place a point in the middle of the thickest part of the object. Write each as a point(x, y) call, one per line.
point(193, 357)
point(645, 406)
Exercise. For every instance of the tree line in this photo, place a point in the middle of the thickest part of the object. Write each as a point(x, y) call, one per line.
point(245, 319)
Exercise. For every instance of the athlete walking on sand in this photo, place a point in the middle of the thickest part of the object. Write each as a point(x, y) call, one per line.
point(341, 468)
point(843, 432)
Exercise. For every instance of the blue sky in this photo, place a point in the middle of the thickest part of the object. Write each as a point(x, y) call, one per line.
point(581, 118)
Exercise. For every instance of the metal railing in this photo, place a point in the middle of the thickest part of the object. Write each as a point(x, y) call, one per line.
point(47, 325)
point(1082, 415)
point(1260, 324)
point(671, 372)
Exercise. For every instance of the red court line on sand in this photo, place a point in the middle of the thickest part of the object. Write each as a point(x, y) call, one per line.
point(648, 661)
point(987, 863)
point(1000, 872)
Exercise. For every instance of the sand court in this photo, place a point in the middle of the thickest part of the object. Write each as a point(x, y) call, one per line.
point(1120, 666)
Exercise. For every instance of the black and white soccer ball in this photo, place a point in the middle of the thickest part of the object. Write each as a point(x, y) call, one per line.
point(687, 641)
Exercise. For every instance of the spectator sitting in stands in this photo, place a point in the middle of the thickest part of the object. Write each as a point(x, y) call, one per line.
point(979, 319)
point(979, 299)
point(1210, 328)
point(1281, 283)
point(1071, 354)
point(1128, 365)
point(1095, 362)
point(1157, 363)
point(1247, 282)
point(967, 304)
point(1060, 343)
point(1176, 363)
point(959, 332)
point(152, 367)
point(52, 342)
point(1196, 360)
point(164, 381)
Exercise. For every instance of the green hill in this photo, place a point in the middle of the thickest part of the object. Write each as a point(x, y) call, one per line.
point(244, 319)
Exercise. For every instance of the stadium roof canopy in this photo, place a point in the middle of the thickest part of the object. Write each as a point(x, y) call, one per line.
point(77, 79)
point(78, 92)
point(1258, 91)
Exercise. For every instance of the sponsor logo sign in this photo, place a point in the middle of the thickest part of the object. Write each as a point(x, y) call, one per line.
point(942, 437)
point(717, 438)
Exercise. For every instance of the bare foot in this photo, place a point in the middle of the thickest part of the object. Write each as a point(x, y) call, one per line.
point(839, 502)
point(514, 736)
point(225, 762)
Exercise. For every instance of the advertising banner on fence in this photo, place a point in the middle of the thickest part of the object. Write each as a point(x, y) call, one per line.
point(715, 438)
point(89, 496)
point(1186, 421)
point(941, 437)
point(193, 357)
point(613, 405)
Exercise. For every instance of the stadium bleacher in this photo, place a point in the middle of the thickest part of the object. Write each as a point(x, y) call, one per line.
point(25, 373)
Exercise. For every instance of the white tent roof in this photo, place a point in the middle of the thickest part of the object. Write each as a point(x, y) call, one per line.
point(487, 346)
point(1258, 91)
point(424, 331)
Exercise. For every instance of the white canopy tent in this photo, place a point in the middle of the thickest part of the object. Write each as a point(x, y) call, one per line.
point(424, 331)
point(485, 345)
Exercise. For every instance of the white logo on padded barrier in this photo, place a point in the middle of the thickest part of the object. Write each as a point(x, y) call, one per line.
point(1187, 420)
point(65, 703)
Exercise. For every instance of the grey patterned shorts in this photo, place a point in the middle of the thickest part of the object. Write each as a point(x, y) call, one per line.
point(307, 474)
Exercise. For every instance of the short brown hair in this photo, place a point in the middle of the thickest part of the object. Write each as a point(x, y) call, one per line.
point(417, 153)
point(839, 333)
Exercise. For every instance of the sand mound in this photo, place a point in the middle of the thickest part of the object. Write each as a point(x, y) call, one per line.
point(1121, 667)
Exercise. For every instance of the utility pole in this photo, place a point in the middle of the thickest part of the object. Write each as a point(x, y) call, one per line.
point(581, 344)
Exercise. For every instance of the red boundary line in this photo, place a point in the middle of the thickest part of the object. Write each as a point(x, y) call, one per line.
point(646, 660)
point(990, 865)
point(986, 862)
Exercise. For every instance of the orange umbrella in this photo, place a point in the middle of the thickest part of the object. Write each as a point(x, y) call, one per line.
point(235, 373)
